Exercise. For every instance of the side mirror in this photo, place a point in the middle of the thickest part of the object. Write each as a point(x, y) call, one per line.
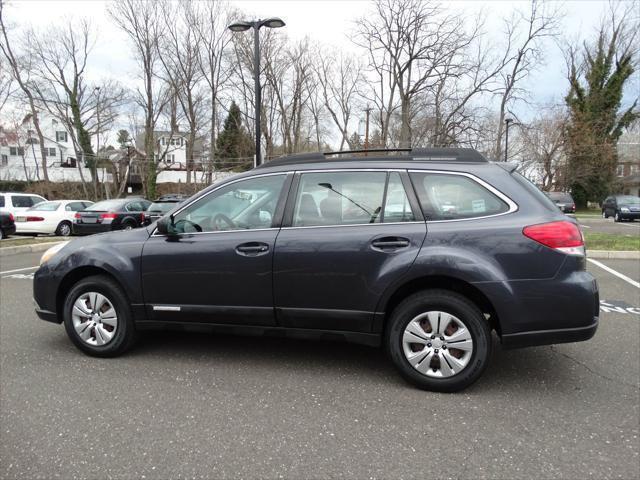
point(164, 225)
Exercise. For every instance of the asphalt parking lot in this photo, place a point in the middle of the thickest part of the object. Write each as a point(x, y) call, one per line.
point(601, 225)
point(210, 406)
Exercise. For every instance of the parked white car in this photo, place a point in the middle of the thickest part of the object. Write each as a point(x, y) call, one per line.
point(50, 217)
point(15, 203)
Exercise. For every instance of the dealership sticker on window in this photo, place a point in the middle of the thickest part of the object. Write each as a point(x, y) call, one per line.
point(478, 206)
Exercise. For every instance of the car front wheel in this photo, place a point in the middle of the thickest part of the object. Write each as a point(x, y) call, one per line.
point(604, 214)
point(97, 317)
point(439, 340)
point(617, 218)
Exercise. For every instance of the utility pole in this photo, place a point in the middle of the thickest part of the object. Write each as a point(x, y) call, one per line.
point(366, 131)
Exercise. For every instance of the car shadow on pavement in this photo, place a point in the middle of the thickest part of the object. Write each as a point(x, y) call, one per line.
point(521, 369)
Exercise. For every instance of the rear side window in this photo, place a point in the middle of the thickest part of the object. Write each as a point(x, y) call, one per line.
point(21, 201)
point(339, 198)
point(1, 201)
point(455, 197)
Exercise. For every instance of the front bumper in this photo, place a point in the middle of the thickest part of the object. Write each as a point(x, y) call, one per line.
point(47, 315)
point(630, 215)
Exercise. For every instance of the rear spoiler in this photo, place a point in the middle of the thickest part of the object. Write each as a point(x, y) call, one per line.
point(510, 167)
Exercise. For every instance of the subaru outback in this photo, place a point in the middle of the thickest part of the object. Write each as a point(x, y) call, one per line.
point(425, 252)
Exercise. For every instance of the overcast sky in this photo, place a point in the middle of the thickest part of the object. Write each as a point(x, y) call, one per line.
point(329, 21)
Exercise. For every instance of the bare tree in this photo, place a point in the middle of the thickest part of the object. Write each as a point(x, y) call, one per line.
point(339, 79)
point(141, 21)
point(411, 44)
point(20, 70)
point(180, 57)
point(214, 38)
point(523, 53)
point(543, 143)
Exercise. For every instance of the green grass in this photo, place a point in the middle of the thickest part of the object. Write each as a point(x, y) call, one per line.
point(16, 241)
point(608, 241)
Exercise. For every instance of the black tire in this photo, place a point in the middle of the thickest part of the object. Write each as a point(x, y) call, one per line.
point(125, 333)
point(454, 304)
point(128, 225)
point(64, 229)
point(1, 234)
point(604, 214)
point(617, 218)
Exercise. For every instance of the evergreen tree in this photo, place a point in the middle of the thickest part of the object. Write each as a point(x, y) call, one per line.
point(596, 87)
point(123, 138)
point(234, 144)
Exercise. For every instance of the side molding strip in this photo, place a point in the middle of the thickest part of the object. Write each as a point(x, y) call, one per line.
point(161, 308)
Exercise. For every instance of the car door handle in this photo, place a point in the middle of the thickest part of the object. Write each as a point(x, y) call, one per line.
point(252, 249)
point(390, 243)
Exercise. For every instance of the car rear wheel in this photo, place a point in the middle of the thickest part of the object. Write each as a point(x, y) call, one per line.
point(1, 234)
point(439, 340)
point(617, 217)
point(128, 226)
point(97, 317)
point(64, 229)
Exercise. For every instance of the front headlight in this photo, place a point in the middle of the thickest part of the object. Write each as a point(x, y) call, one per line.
point(51, 252)
point(624, 210)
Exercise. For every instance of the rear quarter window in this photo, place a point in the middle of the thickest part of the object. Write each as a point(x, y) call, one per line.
point(446, 196)
point(530, 187)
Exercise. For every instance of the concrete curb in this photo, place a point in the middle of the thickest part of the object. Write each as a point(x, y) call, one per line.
point(614, 255)
point(34, 247)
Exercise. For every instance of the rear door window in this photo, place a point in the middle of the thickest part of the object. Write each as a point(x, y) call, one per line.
point(339, 198)
point(455, 197)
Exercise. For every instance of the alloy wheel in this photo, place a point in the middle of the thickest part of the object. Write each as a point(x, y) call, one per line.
point(94, 318)
point(437, 344)
point(65, 230)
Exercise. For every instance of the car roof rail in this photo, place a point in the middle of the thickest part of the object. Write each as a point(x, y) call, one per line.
point(417, 154)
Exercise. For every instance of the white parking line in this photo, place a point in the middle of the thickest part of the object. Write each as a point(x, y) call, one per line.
point(18, 270)
point(632, 225)
point(614, 272)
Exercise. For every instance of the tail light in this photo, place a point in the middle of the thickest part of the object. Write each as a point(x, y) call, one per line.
point(109, 216)
point(35, 219)
point(142, 218)
point(11, 217)
point(563, 236)
point(77, 215)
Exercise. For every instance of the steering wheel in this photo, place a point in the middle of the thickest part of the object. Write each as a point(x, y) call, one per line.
point(183, 222)
point(220, 220)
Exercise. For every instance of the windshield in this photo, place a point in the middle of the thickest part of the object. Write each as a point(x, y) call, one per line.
point(46, 206)
point(162, 207)
point(629, 200)
point(560, 197)
point(106, 206)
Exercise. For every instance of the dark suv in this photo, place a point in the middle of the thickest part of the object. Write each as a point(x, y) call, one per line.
point(426, 252)
point(621, 207)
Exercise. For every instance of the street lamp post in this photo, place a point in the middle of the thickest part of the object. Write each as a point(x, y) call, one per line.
point(256, 25)
point(507, 122)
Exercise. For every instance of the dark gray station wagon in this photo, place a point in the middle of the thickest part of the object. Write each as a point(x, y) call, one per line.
point(424, 251)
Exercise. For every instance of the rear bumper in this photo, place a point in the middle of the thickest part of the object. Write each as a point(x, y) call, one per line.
point(8, 230)
point(90, 228)
point(550, 337)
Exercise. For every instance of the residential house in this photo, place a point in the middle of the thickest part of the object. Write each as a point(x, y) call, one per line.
point(628, 168)
point(21, 156)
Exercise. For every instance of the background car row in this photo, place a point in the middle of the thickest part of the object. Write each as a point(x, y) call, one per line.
point(25, 213)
